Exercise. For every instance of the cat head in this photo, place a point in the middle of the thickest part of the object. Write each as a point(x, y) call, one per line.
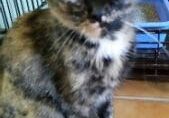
point(92, 18)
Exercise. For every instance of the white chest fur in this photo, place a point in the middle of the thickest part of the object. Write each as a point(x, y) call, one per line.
point(115, 49)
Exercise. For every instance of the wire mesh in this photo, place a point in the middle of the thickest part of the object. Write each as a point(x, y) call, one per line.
point(152, 63)
point(12, 9)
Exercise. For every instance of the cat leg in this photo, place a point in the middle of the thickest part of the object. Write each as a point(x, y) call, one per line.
point(35, 81)
point(105, 110)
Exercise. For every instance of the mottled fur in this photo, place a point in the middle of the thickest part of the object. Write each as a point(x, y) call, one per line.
point(63, 66)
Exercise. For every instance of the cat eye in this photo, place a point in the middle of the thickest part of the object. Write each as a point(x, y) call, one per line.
point(79, 15)
point(77, 11)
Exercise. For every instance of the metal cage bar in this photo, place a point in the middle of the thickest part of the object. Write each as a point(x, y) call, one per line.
point(10, 10)
point(152, 64)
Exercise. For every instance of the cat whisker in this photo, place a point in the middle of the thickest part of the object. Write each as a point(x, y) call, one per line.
point(64, 43)
point(74, 36)
point(85, 41)
point(93, 61)
point(64, 34)
point(71, 40)
point(80, 37)
point(60, 38)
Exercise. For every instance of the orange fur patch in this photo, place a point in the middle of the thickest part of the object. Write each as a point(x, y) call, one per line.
point(92, 30)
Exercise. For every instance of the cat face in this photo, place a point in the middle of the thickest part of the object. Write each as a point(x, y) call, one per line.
point(91, 18)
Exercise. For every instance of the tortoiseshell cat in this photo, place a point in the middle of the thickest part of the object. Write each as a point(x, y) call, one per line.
point(65, 61)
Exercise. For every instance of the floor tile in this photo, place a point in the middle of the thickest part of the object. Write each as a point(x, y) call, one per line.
point(140, 109)
point(143, 88)
point(142, 99)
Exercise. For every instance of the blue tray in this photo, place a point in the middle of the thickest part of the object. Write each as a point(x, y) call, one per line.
point(162, 10)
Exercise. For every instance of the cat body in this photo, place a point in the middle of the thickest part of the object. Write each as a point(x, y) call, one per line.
point(56, 67)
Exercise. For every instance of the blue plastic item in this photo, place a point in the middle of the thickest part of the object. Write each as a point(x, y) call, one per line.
point(161, 8)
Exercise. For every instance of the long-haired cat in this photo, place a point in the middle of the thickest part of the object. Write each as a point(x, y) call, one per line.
point(65, 61)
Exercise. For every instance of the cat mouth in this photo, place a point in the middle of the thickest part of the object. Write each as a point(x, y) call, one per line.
point(99, 29)
point(98, 26)
point(91, 30)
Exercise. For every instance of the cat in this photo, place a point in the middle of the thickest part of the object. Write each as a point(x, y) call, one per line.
point(65, 61)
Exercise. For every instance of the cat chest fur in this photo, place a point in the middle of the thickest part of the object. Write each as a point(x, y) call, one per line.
point(94, 72)
point(104, 60)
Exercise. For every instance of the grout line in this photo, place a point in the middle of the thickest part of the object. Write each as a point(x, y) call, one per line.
point(150, 99)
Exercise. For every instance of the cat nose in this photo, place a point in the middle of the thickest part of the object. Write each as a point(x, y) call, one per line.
point(96, 18)
point(99, 12)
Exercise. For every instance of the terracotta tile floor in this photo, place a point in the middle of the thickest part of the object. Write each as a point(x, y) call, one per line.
point(142, 99)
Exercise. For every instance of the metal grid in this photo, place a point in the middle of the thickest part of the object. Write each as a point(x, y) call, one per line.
point(149, 64)
point(152, 64)
point(11, 9)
